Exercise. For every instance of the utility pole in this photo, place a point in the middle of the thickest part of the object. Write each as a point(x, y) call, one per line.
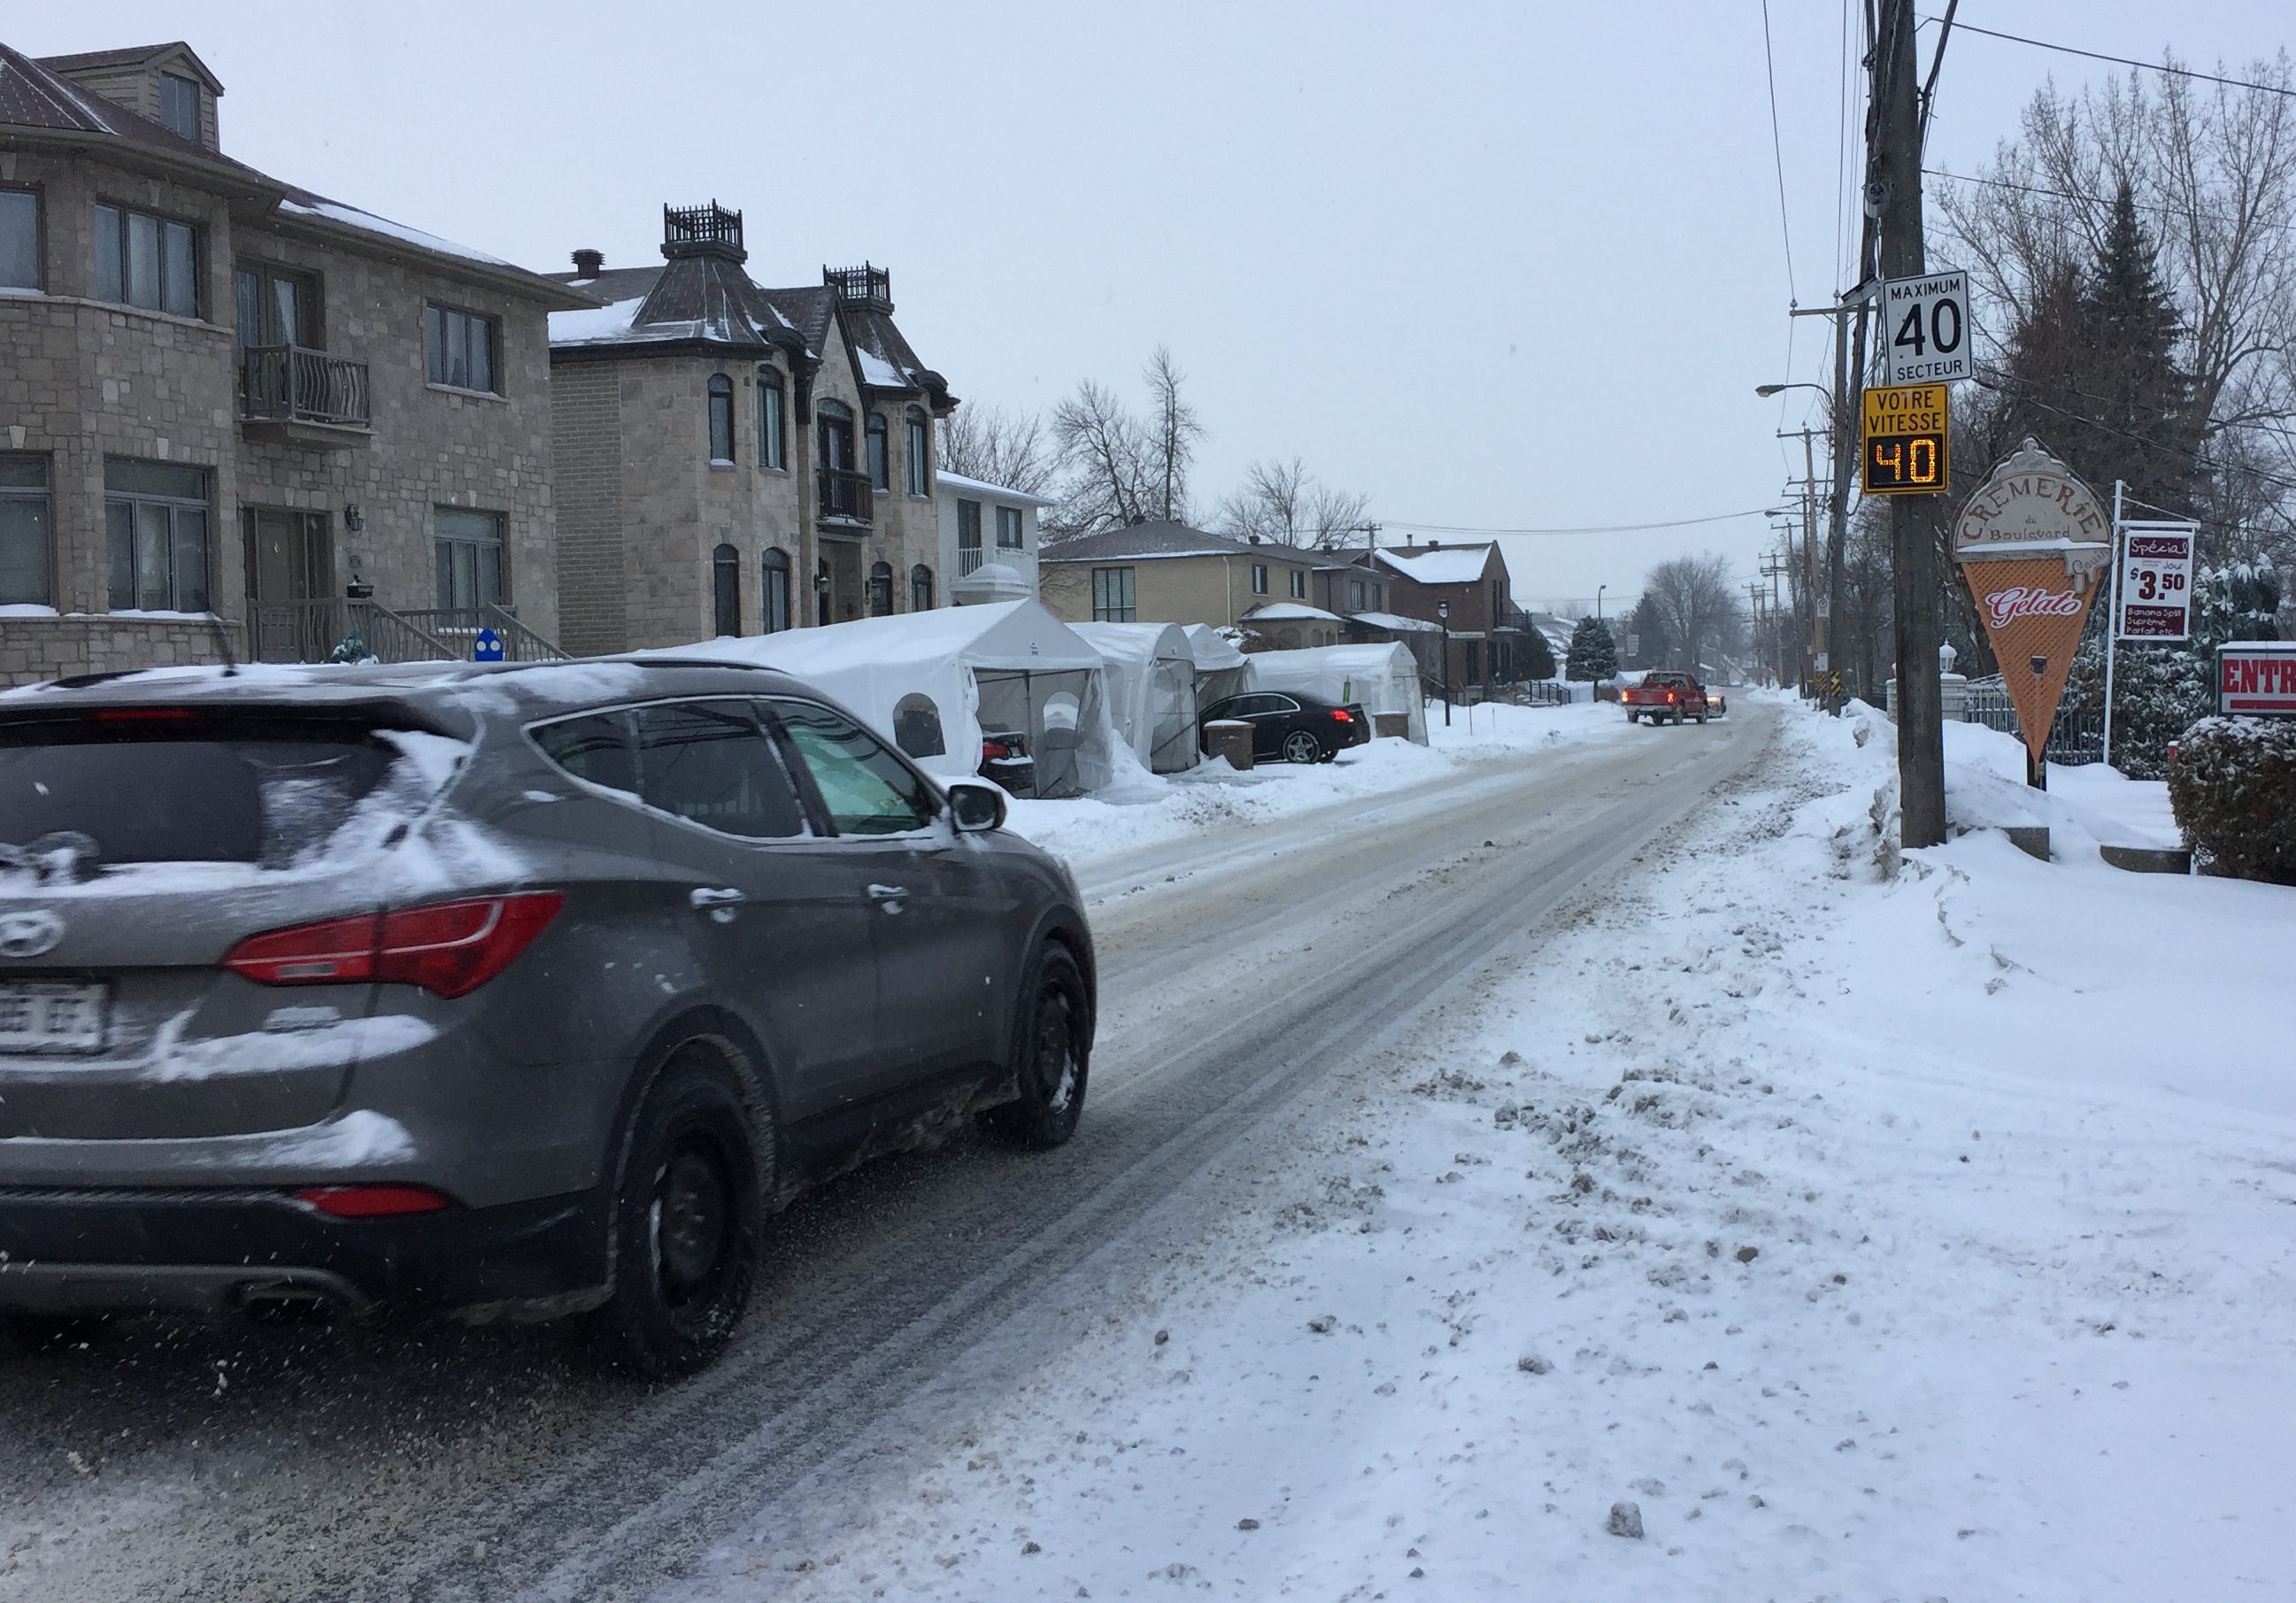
point(1893, 194)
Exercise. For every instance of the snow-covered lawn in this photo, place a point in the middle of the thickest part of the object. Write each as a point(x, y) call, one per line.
point(1856, 1238)
point(1153, 808)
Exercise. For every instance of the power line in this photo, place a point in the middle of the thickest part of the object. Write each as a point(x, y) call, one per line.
point(2070, 194)
point(1777, 145)
point(2122, 61)
point(1720, 517)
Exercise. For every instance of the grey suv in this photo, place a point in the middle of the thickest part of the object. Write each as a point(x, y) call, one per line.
point(512, 992)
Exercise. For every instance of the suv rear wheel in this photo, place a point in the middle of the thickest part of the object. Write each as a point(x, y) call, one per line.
point(687, 1213)
point(1054, 1055)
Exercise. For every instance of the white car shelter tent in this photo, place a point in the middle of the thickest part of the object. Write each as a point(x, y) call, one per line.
point(1152, 690)
point(1222, 670)
point(933, 682)
point(1382, 679)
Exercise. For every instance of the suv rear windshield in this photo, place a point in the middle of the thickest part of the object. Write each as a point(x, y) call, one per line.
point(164, 788)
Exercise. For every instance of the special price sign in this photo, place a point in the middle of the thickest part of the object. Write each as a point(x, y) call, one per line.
point(2156, 582)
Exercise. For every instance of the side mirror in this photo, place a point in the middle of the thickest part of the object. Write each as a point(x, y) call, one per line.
point(975, 808)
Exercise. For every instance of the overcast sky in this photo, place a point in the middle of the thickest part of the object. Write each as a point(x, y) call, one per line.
point(1496, 265)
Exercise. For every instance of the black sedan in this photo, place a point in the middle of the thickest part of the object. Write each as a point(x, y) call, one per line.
point(1293, 727)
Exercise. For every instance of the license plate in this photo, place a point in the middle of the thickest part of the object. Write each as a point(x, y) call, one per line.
point(51, 1015)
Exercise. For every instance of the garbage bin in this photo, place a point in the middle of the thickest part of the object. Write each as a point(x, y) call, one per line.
point(1391, 726)
point(1229, 737)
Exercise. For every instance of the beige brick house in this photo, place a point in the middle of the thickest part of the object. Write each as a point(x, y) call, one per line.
point(1165, 572)
point(733, 460)
point(225, 401)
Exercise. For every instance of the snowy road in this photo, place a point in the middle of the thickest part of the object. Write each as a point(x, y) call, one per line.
point(1241, 969)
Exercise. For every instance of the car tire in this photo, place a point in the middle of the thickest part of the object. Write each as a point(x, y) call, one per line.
point(1301, 746)
point(687, 1213)
point(53, 1332)
point(1052, 1056)
point(1702, 717)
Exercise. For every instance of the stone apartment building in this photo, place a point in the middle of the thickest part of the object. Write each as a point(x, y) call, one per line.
point(1166, 572)
point(226, 401)
point(733, 460)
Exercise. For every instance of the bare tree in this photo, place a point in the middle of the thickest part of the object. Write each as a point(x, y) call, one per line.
point(1174, 434)
point(997, 447)
point(2212, 170)
point(1104, 454)
point(1283, 501)
point(1694, 599)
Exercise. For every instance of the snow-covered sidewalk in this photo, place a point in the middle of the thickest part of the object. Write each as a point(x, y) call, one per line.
point(1155, 808)
point(1829, 1236)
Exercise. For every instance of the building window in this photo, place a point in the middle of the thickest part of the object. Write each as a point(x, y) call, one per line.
point(1259, 579)
point(1355, 602)
point(919, 453)
point(773, 439)
point(881, 589)
point(461, 346)
point(920, 597)
point(968, 536)
point(155, 518)
point(470, 549)
point(776, 615)
point(147, 261)
point(726, 589)
point(879, 469)
point(721, 420)
point(24, 522)
point(277, 307)
point(1008, 529)
point(1111, 595)
point(1299, 584)
point(179, 105)
point(19, 239)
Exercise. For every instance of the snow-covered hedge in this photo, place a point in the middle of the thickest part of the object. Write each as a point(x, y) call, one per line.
point(2232, 783)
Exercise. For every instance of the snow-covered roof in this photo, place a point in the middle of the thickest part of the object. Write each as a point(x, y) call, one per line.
point(1138, 642)
point(1397, 622)
point(998, 635)
point(980, 487)
point(366, 222)
point(876, 370)
point(1291, 612)
point(1438, 565)
point(609, 322)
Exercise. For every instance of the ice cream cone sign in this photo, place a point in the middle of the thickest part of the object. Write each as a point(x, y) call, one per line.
point(2034, 545)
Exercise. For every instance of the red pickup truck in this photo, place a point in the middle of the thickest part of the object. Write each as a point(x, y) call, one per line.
point(1668, 697)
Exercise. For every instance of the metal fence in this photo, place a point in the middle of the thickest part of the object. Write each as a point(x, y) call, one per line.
point(2077, 738)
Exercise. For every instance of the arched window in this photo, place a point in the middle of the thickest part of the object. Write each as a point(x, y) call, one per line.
point(726, 588)
point(880, 479)
point(721, 418)
point(773, 428)
point(921, 598)
point(881, 589)
point(916, 726)
point(918, 440)
point(776, 591)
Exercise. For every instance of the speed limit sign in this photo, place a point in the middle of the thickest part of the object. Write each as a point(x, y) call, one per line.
point(1925, 329)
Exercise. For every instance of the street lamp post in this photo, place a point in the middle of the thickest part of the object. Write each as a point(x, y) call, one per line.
point(1443, 616)
point(1598, 602)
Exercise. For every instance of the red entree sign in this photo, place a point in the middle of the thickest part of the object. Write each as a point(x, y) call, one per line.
point(2256, 676)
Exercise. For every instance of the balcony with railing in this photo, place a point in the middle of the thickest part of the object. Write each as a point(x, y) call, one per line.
point(305, 396)
point(847, 497)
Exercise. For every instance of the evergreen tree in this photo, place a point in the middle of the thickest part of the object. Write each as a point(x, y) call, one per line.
point(1533, 658)
point(2134, 399)
point(1594, 654)
point(2160, 691)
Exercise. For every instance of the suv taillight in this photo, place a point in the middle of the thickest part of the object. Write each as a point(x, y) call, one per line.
point(448, 948)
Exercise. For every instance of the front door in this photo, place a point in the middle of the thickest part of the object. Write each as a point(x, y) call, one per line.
point(289, 571)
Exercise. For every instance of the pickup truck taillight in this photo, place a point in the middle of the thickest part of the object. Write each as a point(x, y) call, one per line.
point(448, 948)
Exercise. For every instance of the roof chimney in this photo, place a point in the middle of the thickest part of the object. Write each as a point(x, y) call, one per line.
point(587, 263)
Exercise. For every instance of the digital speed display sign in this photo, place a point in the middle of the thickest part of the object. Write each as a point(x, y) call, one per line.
point(1906, 441)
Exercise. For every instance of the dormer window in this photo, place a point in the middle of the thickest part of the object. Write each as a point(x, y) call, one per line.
point(179, 105)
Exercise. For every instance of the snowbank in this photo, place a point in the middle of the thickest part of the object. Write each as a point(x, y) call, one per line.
point(1150, 809)
point(1904, 1237)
